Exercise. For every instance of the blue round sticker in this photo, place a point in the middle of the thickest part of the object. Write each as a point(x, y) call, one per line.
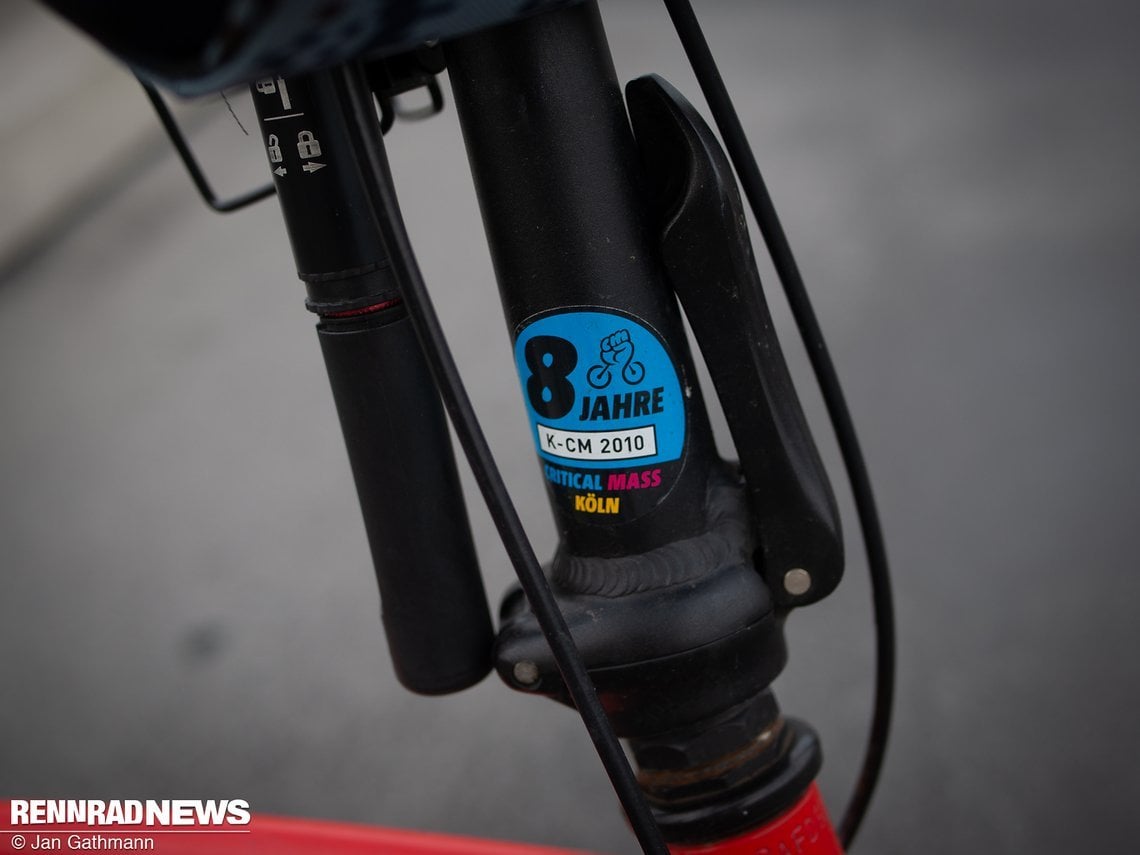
point(602, 392)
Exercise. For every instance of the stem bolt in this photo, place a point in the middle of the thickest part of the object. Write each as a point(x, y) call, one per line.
point(797, 582)
point(526, 672)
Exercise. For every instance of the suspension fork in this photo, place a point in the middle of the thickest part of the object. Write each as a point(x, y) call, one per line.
point(675, 571)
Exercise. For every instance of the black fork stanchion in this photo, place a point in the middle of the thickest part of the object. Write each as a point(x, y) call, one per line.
point(615, 410)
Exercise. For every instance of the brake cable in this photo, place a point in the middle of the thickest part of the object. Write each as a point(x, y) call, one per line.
point(744, 161)
point(356, 98)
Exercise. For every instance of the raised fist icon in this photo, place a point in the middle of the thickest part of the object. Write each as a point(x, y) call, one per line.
point(616, 352)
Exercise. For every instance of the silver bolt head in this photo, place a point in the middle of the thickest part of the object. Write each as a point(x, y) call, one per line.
point(526, 672)
point(797, 581)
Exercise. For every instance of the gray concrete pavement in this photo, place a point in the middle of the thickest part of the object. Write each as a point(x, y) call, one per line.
point(187, 608)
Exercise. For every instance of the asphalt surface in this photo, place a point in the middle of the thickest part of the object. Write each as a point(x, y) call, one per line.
point(187, 606)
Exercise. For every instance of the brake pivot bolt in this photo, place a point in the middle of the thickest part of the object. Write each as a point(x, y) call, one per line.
point(797, 582)
point(526, 672)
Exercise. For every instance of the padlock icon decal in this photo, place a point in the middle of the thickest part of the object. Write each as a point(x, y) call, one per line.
point(307, 145)
point(275, 155)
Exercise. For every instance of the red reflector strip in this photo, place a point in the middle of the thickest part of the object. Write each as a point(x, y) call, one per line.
point(366, 310)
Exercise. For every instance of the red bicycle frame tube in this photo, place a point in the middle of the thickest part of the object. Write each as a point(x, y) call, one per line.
point(802, 830)
point(805, 829)
point(267, 835)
